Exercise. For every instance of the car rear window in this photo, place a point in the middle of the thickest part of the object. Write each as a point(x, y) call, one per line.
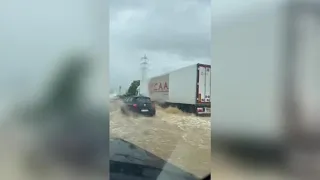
point(143, 100)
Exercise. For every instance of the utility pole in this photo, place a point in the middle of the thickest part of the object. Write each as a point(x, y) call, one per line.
point(120, 90)
point(144, 68)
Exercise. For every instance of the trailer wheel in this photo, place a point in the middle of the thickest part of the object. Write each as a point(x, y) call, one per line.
point(192, 109)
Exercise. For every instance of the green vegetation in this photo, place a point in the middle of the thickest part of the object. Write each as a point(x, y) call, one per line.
point(132, 89)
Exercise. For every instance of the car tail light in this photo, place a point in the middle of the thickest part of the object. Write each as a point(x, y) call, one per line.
point(153, 105)
point(199, 109)
point(135, 105)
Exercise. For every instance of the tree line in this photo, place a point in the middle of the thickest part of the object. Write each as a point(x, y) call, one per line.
point(132, 89)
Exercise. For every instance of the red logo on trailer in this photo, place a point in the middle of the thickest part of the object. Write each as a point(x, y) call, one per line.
point(159, 87)
point(165, 87)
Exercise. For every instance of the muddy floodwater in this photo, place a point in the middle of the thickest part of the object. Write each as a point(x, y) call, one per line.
point(179, 138)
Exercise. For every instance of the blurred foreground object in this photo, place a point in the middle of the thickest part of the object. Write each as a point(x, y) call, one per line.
point(130, 162)
point(266, 92)
point(57, 136)
point(303, 89)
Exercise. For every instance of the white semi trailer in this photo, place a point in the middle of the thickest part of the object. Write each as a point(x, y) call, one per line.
point(188, 88)
point(264, 85)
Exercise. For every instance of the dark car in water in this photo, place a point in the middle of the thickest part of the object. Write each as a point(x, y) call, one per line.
point(138, 105)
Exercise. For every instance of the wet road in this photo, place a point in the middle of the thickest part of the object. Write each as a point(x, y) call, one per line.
point(179, 138)
point(184, 140)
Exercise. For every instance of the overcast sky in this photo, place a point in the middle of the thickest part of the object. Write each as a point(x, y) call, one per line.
point(34, 34)
point(172, 34)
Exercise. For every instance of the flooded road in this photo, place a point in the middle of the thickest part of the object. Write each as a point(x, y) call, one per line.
point(184, 140)
point(179, 138)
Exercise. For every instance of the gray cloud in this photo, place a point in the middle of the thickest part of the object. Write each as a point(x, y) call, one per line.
point(34, 34)
point(179, 27)
point(171, 33)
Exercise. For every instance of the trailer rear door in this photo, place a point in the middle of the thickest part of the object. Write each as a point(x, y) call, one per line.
point(204, 83)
